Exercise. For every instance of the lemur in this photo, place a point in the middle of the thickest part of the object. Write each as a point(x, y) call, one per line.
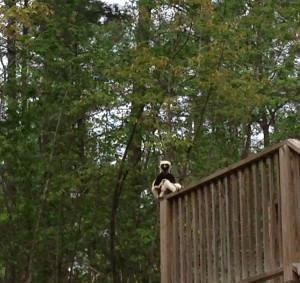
point(165, 181)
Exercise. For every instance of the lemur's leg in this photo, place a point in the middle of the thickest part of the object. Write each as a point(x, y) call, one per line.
point(164, 187)
point(155, 193)
point(155, 190)
point(162, 193)
point(167, 185)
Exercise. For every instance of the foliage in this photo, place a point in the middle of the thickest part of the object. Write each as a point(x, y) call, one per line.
point(92, 97)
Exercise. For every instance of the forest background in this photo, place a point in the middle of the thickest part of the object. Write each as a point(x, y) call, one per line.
point(92, 96)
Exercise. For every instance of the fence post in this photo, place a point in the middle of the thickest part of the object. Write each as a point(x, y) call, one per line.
point(289, 183)
point(166, 248)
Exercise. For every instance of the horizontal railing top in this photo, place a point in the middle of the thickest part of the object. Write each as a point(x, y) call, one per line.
point(292, 143)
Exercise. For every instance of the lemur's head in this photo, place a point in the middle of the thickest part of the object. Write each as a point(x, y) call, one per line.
point(165, 166)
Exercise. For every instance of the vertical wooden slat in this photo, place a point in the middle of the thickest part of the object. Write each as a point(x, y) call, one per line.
point(222, 214)
point(214, 231)
point(188, 253)
point(278, 208)
point(296, 208)
point(181, 240)
point(249, 212)
point(275, 227)
point(266, 245)
point(195, 226)
point(166, 247)
point(243, 223)
point(208, 233)
point(228, 203)
point(271, 215)
point(290, 209)
point(202, 233)
point(176, 247)
point(279, 256)
point(257, 219)
point(235, 228)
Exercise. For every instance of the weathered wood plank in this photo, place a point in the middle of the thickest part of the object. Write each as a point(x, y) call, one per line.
point(176, 247)
point(188, 234)
point(271, 214)
point(222, 215)
point(249, 212)
point(229, 238)
point(289, 182)
point(296, 268)
point(243, 223)
point(278, 208)
point(215, 231)
point(195, 225)
point(235, 228)
point(263, 277)
point(257, 218)
point(166, 248)
point(202, 239)
point(208, 219)
point(265, 218)
point(181, 240)
point(293, 144)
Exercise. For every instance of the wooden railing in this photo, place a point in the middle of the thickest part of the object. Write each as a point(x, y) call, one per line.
point(240, 224)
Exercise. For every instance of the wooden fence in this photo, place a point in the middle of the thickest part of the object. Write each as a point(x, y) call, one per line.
point(240, 224)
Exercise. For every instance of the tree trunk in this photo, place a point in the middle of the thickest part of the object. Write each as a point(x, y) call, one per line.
point(10, 97)
point(133, 151)
point(265, 128)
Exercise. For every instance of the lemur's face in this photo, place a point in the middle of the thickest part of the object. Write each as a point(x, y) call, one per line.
point(165, 166)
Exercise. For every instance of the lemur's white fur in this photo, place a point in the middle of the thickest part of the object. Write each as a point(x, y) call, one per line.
point(165, 181)
point(161, 190)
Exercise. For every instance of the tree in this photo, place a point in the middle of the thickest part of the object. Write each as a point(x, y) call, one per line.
point(92, 97)
point(46, 143)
